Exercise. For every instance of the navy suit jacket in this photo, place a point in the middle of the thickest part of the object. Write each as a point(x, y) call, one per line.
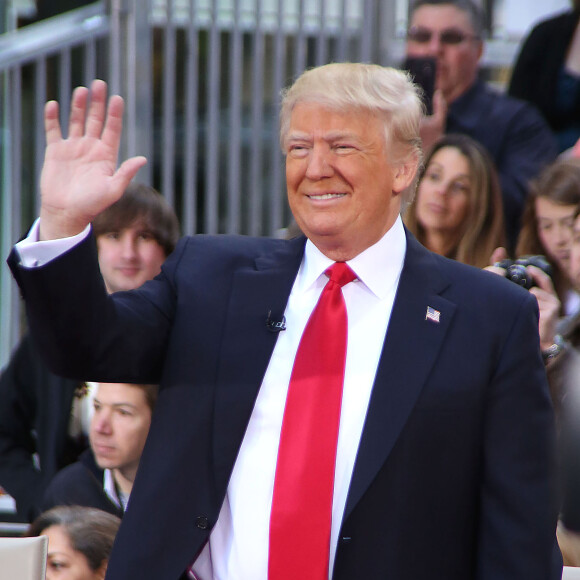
point(454, 475)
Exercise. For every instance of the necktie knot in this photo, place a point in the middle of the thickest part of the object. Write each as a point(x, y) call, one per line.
point(340, 273)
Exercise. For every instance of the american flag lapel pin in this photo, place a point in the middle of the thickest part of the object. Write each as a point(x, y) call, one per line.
point(432, 314)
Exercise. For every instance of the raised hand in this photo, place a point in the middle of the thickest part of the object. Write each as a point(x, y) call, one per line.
point(80, 177)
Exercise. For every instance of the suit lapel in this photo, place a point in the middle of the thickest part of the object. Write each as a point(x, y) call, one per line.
point(248, 344)
point(411, 346)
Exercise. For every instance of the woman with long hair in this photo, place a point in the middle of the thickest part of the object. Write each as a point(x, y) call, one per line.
point(547, 223)
point(458, 209)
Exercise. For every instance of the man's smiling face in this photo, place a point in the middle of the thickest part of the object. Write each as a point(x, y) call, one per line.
point(341, 188)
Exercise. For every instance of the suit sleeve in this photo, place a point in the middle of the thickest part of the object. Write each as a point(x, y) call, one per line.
point(85, 334)
point(519, 499)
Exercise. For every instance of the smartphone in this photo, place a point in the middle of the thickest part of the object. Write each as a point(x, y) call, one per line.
point(423, 70)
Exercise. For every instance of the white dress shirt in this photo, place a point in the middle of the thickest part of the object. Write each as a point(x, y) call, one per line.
point(238, 544)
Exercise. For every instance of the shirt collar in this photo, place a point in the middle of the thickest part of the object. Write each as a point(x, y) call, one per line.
point(378, 267)
point(110, 487)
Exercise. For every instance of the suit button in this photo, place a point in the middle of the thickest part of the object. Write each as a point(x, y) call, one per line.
point(345, 540)
point(202, 522)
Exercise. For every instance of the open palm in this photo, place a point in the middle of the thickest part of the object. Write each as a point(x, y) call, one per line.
point(80, 177)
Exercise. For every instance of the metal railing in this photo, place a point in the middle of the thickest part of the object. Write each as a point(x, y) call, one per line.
point(201, 80)
point(37, 62)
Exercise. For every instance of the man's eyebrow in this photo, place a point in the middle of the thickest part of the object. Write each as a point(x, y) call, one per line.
point(119, 404)
point(329, 137)
point(298, 136)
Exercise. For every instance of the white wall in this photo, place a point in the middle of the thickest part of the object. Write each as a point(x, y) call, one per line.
point(514, 18)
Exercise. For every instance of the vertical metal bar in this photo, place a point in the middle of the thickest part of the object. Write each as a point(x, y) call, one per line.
point(89, 62)
point(343, 38)
point(300, 50)
point(256, 165)
point(235, 123)
point(322, 40)
point(16, 190)
point(130, 82)
point(367, 32)
point(40, 98)
point(115, 48)
point(277, 189)
point(142, 86)
point(213, 126)
point(8, 199)
point(64, 87)
point(168, 97)
point(16, 127)
point(189, 218)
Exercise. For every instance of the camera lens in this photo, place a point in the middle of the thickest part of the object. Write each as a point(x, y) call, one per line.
point(518, 274)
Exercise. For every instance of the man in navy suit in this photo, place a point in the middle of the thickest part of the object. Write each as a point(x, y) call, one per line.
point(444, 459)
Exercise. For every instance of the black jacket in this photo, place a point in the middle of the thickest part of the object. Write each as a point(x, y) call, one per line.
point(35, 407)
point(535, 74)
point(80, 484)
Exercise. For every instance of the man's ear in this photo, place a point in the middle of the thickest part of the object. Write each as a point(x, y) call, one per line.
point(404, 174)
point(102, 570)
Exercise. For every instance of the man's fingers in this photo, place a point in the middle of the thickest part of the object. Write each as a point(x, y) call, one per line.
point(96, 113)
point(52, 123)
point(127, 171)
point(114, 123)
point(78, 107)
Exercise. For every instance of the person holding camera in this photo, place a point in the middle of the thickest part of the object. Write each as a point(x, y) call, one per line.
point(547, 240)
point(534, 274)
point(547, 225)
point(518, 138)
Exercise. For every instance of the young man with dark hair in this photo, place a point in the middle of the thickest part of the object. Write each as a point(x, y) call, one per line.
point(104, 474)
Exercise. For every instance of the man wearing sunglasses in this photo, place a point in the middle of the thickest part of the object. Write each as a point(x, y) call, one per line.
point(516, 135)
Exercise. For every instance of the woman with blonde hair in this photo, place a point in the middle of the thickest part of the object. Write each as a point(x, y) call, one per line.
point(458, 209)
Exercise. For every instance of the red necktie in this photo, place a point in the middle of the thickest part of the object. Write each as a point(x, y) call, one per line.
point(303, 487)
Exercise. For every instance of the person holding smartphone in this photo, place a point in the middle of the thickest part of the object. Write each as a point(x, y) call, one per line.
point(516, 135)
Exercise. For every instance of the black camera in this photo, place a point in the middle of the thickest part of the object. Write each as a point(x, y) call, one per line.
point(516, 269)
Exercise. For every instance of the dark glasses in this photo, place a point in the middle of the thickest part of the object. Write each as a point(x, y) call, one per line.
point(449, 36)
